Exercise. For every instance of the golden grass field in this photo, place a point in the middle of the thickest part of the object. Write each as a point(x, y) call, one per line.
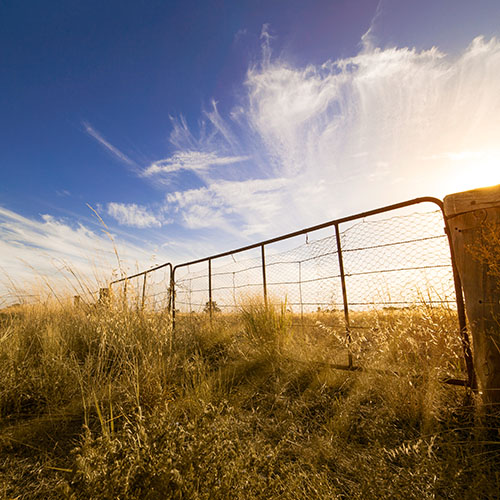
point(106, 402)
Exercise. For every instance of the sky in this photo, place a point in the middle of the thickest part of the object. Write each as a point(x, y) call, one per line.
point(134, 133)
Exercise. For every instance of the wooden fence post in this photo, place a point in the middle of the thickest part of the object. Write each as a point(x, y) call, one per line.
point(474, 222)
point(104, 296)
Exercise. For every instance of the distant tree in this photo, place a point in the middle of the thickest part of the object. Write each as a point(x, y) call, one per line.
point(215, 308)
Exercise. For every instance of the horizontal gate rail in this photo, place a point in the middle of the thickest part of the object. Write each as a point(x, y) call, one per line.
point(324, 225)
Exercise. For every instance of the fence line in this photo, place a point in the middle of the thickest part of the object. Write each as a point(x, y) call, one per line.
point(390, 263)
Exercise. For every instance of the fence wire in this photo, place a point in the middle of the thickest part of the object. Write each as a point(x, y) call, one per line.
point(393, 262)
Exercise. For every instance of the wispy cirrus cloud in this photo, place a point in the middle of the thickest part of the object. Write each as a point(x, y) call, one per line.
point(225, 204)
point(195, 161)
point(343, 136)
point(305, 144)
point(133, 215)
point(48, 254)
point(72, 257)
point(108, 146)
point(461, 155)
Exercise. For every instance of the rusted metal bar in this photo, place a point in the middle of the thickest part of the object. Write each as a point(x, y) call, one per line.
point(169, 305)
point(455, 381)
point(388, 208)
point(210, 288)
point(264, 280)
point(300, 294)
point(342, 220)
point(161, 266)
point(143, 291)
point(172, 295)
point(462, 322)
point(344, 293)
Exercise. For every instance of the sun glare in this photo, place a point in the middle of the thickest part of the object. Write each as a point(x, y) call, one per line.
point(475, 171)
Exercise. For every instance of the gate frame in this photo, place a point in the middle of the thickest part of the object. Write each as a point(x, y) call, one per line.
point(466, 346)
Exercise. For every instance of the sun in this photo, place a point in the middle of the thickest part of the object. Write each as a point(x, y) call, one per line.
point(473, 170)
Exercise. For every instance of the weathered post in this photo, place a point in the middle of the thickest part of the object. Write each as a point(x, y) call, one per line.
point(474, 223)
point(104, 296)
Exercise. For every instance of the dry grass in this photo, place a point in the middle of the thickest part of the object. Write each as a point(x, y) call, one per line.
point(105, 402)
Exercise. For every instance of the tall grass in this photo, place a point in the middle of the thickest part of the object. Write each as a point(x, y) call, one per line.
point(105, 402)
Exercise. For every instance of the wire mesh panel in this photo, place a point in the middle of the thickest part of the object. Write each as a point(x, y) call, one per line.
point(192, 288)
point(236, 279)
point(129, 292)
point(151, 288)
point(397, 262)
point(307, 279)
point(308, 276)
point(399, 278)
point(157, 289)
point(120, 291)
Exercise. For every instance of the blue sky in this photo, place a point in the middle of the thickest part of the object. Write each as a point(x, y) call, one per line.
point(196, 126)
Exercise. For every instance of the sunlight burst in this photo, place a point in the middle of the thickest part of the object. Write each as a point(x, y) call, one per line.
point(473, 170)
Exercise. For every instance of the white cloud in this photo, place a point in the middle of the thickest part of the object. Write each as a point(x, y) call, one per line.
point(195, 161)
point(256, 202)
point(340, 136)
point(459, 155)
point(107, 145)
point(51, 250)
point(132, 215)
point(368, 38)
